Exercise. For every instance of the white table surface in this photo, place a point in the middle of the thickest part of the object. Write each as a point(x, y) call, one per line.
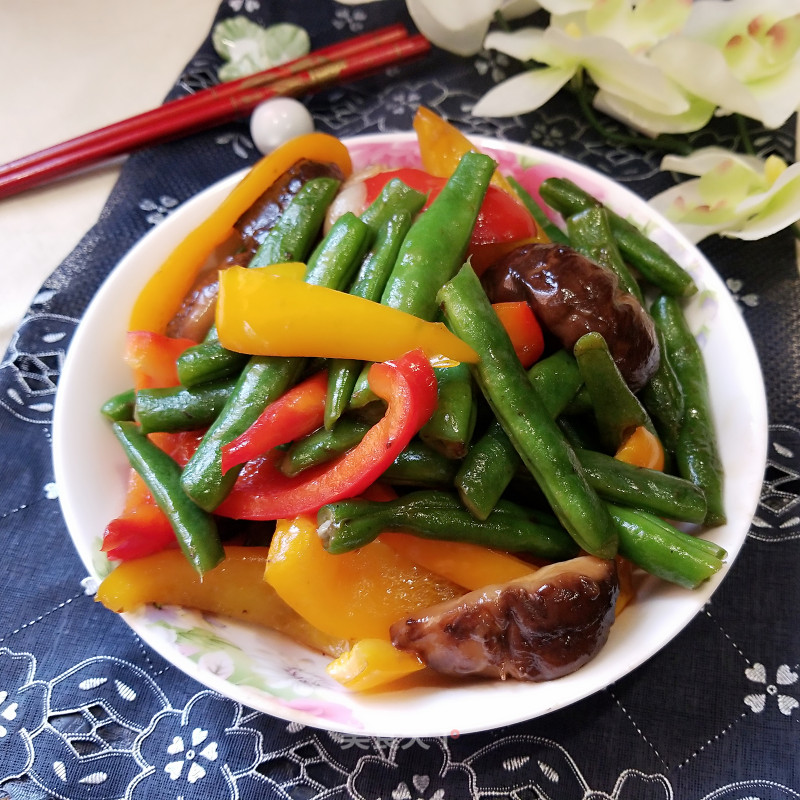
point(73, 66)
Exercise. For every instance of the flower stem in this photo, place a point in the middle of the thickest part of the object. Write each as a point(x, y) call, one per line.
point(661, 142)
point(501, 21)
point(744, 135)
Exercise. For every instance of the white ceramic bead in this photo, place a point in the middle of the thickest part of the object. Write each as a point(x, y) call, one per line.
point(275, 121)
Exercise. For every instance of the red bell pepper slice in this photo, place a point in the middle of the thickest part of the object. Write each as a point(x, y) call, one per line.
point(141, 529)
point(153, 357)
point(523, 329)
point(263, 492)
point(298, 412)
point(502, 218)
point(137, 533)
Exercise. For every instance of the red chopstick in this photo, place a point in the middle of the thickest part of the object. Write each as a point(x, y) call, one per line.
point(351, 59)
point(324, 55)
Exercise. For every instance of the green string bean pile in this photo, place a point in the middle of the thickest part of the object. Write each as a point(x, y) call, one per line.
point(517, 459)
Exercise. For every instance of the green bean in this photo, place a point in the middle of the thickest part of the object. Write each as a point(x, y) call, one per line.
point(580, 403)
point(290, 239)
point(323, 445)
point(361, 395)
point(662, 396)
point(420, 465)
point(590, 233)
point(195, 530)
point(434, 249)
point(179, 408)
point(557, 380)
point(349, 524)
point(697, 454)
point(208, 362)
point(119, 408)
point(554, 233)
point(264, 379)
point(395, 197)
point(643, 253)
point(525, 418)
point(296, 229)
point(492, 461)
point(647, 541)
point(616, 408)
point(614, 481)
point(437, 242)
point(486, 471)
point(369, 283)
point(338, 255)
point(647, 489)
point(450, 428)
point(663, 550)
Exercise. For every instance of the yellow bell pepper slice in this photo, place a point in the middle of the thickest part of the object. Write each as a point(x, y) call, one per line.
point(162, 295)
point(356, 595)
point(441, 146)
point(372, 663)
point(468, 565)
point(263, 314)
point(235, 588)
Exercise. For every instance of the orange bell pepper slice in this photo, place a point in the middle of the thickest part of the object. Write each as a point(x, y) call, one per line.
point(162, 295)
point(523, 329)
point(152, 358)
point(642, 449)
point(441, 146)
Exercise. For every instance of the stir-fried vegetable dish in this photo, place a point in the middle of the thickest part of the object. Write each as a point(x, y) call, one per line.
point(406, 419)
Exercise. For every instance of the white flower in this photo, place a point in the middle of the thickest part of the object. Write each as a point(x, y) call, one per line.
point(459, 25)
point(608, 40)
point(740, 55)
point(636, 24)
point(742, 197)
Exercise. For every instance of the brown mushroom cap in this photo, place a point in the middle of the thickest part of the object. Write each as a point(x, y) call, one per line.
point(572, 295)
point(536, 628)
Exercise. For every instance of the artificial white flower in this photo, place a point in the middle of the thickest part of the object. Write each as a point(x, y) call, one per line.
point(740, 55)
point(743, 197)
point(635, 24)
point(459, 25)
point(652, 122)
point(611, 66)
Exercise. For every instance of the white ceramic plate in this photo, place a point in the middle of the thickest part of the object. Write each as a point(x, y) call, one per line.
point(266, 672)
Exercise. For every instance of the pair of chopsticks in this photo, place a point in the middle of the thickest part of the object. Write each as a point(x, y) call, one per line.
point(350, 59)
